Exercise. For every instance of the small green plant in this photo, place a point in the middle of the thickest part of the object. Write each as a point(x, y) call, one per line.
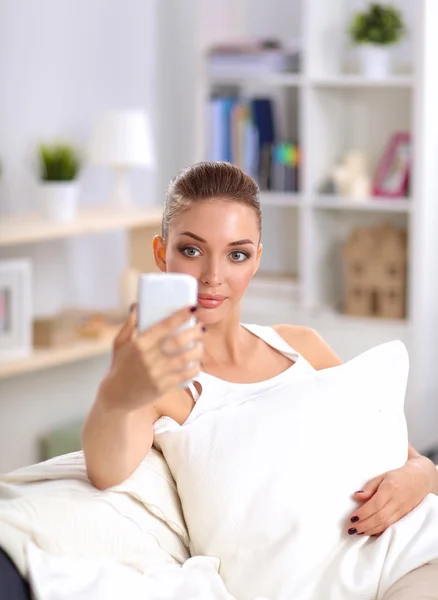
point(58, 162)
point(380, 24)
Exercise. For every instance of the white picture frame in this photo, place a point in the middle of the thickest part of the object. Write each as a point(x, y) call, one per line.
point(15, 309)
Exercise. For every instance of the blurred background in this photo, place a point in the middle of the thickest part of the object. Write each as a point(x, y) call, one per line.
point(331, 106)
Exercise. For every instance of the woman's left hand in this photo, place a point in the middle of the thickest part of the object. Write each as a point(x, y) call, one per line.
point(389, 497)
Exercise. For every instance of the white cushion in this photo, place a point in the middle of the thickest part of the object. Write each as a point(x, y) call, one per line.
point(266, 485)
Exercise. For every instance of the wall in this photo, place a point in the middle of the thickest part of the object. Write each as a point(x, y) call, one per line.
point(61, 63)
point(176, 89)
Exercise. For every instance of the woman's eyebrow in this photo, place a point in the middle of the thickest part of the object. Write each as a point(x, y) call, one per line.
point(200, 239)
point(241, 243)
point(192, 235)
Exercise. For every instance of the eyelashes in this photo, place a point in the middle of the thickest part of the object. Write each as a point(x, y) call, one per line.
point(244, 254)
point(185, 249)
point(193, 252)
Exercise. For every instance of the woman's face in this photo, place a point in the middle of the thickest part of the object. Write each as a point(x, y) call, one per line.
point(217, 242)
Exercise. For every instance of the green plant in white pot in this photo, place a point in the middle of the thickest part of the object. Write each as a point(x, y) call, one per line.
point(376, 30)
point(59, 167)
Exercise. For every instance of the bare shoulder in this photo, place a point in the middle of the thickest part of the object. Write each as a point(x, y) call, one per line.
point(310, 344)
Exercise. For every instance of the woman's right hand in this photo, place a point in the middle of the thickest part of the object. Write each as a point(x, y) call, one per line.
point(147, 365)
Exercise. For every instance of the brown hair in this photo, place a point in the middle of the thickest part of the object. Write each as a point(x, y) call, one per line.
point(207, 180)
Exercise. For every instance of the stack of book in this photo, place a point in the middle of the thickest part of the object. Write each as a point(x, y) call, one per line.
point(252, 58)
point(243, 132)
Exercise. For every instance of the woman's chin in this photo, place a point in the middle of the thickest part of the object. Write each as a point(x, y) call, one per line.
point(210, 316)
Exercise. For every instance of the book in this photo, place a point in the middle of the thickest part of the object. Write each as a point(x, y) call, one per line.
point(243, 132)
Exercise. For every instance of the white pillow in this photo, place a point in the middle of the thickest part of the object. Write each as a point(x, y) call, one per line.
point(266, 484)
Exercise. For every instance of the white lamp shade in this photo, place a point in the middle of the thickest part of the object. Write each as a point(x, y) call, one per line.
point(123, 139)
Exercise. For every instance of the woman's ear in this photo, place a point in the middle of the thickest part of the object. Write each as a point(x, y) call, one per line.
point(159, 253)
point(258, 258)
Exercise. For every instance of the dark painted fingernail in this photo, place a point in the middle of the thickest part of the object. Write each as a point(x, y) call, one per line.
point(360, 492)
point(132, 307)
point(361, 532)
point(204, 328)
point(193, 309)
point(352, 531)
point(354, 519)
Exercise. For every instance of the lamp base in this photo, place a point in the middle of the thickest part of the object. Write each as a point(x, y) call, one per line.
point(120, 198)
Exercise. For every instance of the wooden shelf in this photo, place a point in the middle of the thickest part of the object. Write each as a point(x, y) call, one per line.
point(329, 316)
point(373, 204)
point(280, 199)
point(272, 79)
point(358, 81)
point(29, 228)
point(298, 80)
point(265, 283)
point(43, 358)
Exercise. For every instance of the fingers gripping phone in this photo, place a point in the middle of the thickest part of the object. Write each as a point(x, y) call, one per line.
point(161, 294)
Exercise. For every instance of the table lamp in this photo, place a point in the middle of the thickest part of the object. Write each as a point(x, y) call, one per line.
point(122, 140)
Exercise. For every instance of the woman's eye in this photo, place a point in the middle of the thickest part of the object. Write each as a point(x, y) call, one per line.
point(190, 251)
point(239, 256)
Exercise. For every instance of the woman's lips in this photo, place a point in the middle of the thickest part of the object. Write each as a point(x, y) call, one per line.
point(210, 300)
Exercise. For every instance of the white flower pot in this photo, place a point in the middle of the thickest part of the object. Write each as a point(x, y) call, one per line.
point(375, 61)
point(59, 200)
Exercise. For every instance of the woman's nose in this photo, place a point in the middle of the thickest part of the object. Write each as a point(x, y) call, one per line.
point(212, 275)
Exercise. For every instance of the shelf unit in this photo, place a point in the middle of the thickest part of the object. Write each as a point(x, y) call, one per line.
point(331, 108)
point(372, 204)
point(30, 228)
point(334, 110)
point(292, 80)
point(357, 81)
point(45, 358)
point(274, 79)
point(22, 230)
point(285, 199)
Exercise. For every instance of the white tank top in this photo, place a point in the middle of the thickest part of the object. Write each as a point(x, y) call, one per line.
point(218, 392)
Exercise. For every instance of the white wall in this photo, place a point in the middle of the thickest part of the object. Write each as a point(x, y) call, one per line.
point(176, 86)
point(60, 64)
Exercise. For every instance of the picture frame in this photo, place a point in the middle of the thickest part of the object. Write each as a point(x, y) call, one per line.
point(15, 309)
point(392, 175)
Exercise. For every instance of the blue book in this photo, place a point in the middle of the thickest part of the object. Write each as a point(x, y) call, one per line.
point(216, 133)
point(227, 109)
point(221, 108)
point(251, 150)
point(263, 118)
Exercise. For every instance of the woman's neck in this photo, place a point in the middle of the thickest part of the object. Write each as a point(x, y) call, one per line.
point(225, 342)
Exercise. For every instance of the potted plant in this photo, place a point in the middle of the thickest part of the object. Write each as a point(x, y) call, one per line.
point(376, 30)
point(59, 166)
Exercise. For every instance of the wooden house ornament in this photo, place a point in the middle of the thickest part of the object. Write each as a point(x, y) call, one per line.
point(375, 261)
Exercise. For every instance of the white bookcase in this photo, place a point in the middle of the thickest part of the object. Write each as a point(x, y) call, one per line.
point(331, 109)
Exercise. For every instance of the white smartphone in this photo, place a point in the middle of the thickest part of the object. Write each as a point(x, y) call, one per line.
point(161, 294)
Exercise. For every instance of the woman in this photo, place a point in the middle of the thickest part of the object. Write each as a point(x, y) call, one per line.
point(211, 229)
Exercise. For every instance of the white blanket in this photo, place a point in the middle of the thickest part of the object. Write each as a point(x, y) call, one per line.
point(138, 523)
point(92, 578)
point(74, 542)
